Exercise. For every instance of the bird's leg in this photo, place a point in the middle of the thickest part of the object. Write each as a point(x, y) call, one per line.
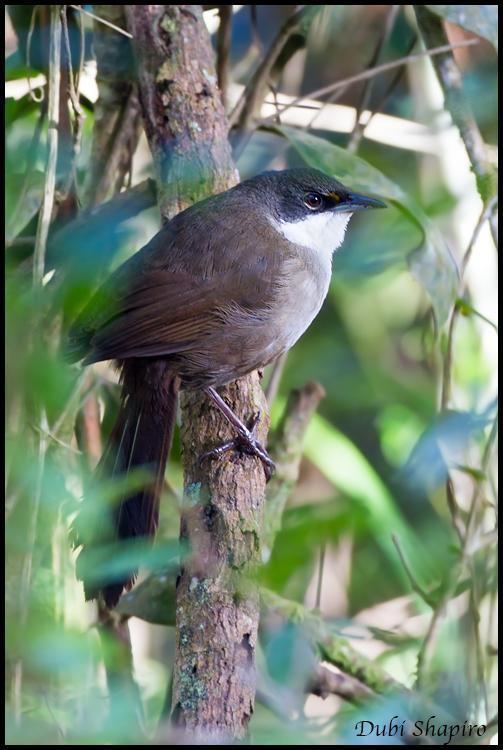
point(246, 436)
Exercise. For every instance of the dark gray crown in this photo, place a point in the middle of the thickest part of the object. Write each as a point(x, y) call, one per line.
point(284, 192)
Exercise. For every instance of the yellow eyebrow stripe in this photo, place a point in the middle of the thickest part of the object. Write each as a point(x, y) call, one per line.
point(334, 196)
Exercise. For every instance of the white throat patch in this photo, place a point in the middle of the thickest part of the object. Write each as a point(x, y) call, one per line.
point(322, 232)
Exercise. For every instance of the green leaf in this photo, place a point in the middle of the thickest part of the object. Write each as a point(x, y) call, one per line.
point(16, 67)
point(347, 468)
point(481, 19)
point(111, 562)
point(431, 263)
point(303, 529)
point(437, 448)
point(473, 472)
point(334, 160)
point(466, 309)
point(23, 200)
point(154, 599)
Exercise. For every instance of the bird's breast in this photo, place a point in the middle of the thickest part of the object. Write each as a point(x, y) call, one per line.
point(305, 286)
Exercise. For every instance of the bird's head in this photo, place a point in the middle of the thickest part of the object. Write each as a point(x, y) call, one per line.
point(309, 208)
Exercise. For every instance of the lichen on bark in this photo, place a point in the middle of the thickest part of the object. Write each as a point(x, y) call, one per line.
point(184, 118)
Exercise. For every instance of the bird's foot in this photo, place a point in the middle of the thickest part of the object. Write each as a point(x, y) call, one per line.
point(245, 442)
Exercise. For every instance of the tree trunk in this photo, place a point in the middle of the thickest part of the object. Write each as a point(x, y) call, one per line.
point(217, 604)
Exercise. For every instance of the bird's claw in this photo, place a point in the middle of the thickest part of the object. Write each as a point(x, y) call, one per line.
point(245, 443)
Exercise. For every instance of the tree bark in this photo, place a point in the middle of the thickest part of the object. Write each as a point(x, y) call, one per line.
point(183, 115)
point(217, 604)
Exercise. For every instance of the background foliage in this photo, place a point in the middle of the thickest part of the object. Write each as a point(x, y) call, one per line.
point(389, 534)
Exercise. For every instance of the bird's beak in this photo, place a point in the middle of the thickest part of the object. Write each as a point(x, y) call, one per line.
point(356, 202)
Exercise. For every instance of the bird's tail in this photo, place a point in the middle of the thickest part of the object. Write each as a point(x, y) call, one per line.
point(141, 438)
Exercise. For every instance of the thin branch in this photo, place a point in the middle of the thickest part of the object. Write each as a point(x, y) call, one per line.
point(70, 408)
point(52, 139)
point(224, 36)
point(331, 646)
point(82, 50)
point(429, 643)
point(286, 449)
point(254, 94)
point(390, 89)
point(357, 133)
point(29, 39)
point(255, 35)
point(410, 575)
point(275, 103)
point(72, 90)
point(116, 132)
point(321, 570)
point(332, 99)
point(428, 646)
point(473, 610)
point(77, 109)
point(49, 434)
point(454, 510)
point(486, 214)
point(375, 71)
point(486, 456)
point(463, 531)
point(275, 378)
point(102, 20)
point(450, 79)
point(117, 118)
point(326, 682)
point(447, 367)
point(493, 223)
point(466, 308)
point(337, 650)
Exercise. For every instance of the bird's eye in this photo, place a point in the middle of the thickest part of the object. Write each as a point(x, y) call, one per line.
point(313, 201)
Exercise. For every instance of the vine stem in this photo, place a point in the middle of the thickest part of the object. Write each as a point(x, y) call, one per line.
point(52, 142)
point(102, 20)
point(38, 275)
point(456, 103)
point(364, 75)
point(447, 368)
point(464, 531)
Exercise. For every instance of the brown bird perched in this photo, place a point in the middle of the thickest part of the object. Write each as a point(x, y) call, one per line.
point(223, 289)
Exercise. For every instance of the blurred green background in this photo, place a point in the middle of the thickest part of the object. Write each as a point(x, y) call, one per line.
point(381, 457)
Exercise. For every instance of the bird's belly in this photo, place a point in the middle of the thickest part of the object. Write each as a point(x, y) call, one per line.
point(296, 308)
point(293, 319)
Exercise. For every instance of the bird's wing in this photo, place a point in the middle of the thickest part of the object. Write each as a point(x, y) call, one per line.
point(179, 288)
point(165, 315)
point(165, 312)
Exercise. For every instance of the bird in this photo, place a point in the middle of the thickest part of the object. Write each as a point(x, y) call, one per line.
point(223, 289)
